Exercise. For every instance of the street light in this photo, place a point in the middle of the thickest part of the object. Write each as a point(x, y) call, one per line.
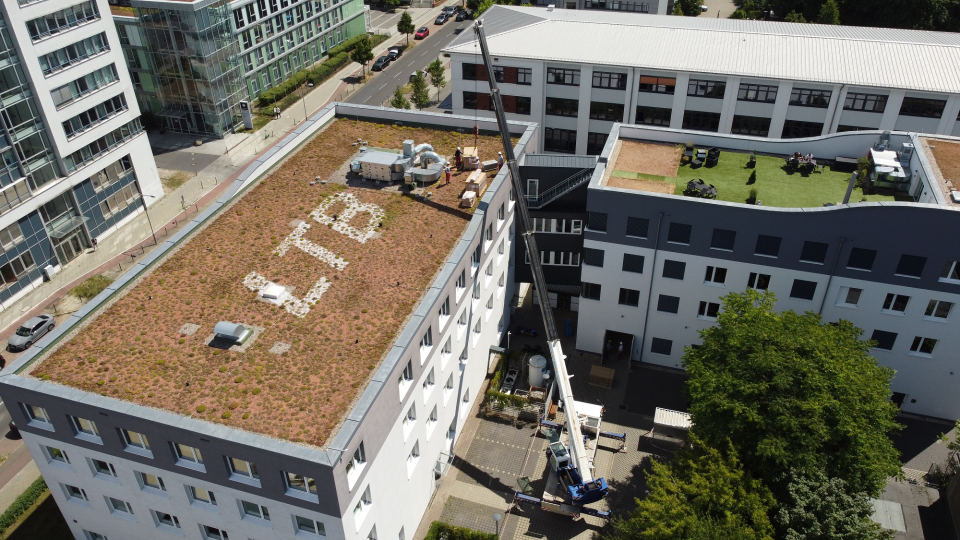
point(508, 341)
point(147, 212)
point(496, 520)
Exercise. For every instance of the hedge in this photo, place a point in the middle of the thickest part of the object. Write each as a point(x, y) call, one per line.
point(23, 503)
point(442, 531)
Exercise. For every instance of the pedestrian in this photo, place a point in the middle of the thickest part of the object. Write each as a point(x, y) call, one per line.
point(458, 157)
point(499, 160)
point(276, 113)
point(447, 171)
point(94, 241)
point(620, 351)
point(608, 348)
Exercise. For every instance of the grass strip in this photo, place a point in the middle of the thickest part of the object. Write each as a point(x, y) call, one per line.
point(22, 504)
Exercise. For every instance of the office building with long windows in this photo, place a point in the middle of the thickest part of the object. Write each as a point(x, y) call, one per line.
point(576, 73)
point(76, 163)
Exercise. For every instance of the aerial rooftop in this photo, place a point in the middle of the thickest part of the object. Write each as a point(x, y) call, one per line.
point(307, 360)
point(944, 158)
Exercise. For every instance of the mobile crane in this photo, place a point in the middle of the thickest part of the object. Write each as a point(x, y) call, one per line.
point(571, 483)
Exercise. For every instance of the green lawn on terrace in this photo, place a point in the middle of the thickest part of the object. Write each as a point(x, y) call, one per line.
point(775, 184)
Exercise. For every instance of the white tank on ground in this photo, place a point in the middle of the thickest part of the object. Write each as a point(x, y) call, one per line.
point(536, 364)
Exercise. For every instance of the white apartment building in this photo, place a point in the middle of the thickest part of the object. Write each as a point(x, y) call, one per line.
point(76, 162)
point(577, 72)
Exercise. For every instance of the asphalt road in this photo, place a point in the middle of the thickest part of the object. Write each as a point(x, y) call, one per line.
point(384, 83)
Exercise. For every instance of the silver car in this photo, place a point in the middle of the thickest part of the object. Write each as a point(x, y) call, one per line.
point(31, 331)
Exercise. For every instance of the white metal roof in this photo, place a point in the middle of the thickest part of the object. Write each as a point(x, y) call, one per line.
point(877, 57)
point(379, 158)
point(677, 419)
point(591, 410)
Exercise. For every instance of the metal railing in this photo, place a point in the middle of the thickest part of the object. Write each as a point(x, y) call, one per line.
point(553, 193)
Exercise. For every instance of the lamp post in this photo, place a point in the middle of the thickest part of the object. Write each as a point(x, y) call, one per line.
point(147, 212)
point(508, 341)
point(496, 520)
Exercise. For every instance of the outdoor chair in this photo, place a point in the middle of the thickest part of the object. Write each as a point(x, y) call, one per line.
point(688, 152)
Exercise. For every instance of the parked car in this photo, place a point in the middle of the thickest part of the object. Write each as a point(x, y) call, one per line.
point(422, 33)
point(449, 11)
point(28, 334)
point(703, 8)
point(464, 15)
point(442, 18)
point(393, 53)
point(381, 63)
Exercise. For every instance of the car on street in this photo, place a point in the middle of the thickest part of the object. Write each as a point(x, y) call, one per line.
point(393, 53)
point(464, 15)
point(422, 33)
point(449, 11)
point(28, 334)
point(381, 63)
point(442, 18)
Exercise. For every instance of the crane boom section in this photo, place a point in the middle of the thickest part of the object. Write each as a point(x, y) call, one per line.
point(578, 450)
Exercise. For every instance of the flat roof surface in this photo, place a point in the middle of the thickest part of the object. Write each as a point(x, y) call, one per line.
point(830, 54)
point(944, 159)
point(296, 376)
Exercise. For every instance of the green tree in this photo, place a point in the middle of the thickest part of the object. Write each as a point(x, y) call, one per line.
point(398, 101)
point(815, 507)
point(792, 392)
point(793, 16)
point(405, 25)
point(391, 4)
point(829, 13)
point(421, 94)
point(702, 492)
point(362, 53)
point(437, 80)
point(691, 8)
point(677, 10)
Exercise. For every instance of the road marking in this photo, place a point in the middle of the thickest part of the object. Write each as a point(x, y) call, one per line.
point(382, 87)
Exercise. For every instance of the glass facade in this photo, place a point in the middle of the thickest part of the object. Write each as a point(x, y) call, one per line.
point(195, 58)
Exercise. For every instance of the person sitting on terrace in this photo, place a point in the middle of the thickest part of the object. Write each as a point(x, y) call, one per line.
point(796, 156)
point(808, 157)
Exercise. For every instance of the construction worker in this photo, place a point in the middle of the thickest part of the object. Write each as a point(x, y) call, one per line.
point(499, 160)
point(458, 157)
point(447, 171)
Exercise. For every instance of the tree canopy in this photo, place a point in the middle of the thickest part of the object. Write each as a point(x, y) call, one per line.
point(405, 25)
point(421, 94)
point(829, 13)
point(399, 101)
point(792, 392)
point(815, 507)
point(943, 15)
point(436, 72)
point(362, 53)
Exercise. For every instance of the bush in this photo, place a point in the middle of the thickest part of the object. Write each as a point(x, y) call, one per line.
point(91, 287)
point(22, 504)
point(439, 530)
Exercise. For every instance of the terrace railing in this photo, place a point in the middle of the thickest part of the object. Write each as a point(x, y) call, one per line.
point(551, 194)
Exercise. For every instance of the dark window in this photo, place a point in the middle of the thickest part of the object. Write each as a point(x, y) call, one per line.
point(843, 129)
point(885, 340)
point(661, 346)
point(928, 108)
point(668, 304)
point(679, 233)
point(750, 125)
point(861, 259)
point(470, 101)
point(658, 85)
point(596, 142)
point(593, 257)
point(633, 263)
point(710, 89)
point(562, 107)
point(815, 252)
point(569, 77)
point(768, 246)
point(606, 111)
point(524, 76)
point(810, 98)
point(563, 141)
point(709, 310)
point(470, 72)
point(803, 290)
point(794, 129)
point(865, 102)
point(895, 302)
point(723, 239)
point(637, 226)
point(760, 282)
point(597, 221)
point(523, 105)
point(603, 79)
point(653, 116)
point(590, 290)
point(911, 265)
point(629, 297)
point(701, 121)
point(674, 269)
point(757, 92)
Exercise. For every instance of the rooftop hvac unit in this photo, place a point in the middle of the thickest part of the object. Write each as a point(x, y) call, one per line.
point(906, 153)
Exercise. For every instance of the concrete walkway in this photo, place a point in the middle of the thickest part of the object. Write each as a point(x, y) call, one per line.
point(16, 475)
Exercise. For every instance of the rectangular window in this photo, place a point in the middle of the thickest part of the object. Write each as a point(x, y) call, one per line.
point(884, 340)
point(188, 453)
point(37, 414)
point(104, 468)
point(805, 97)
point(657, 85)
point(767, 246)
point(668, 304)
point(57, 455)
point(865, 102)
point(590, 290)
point(950, 272)
point(895, 303)
point(633, 263)
point(84, 426)
point(10, 236)
point(849, 297)
point(135, 440)
point(723, 239)
point(606, 111)
point(597, 221)
point(593, 257)
point(708, 310)
point(166, 519)
point(74, 54)
point(861, 259)
point(525, 76)
point(715, 275)
point(202, 495)
point(629, 297)
point(212, 533)
point(938, 309)
point(803, 290)
point(63, 20)
point(750, 125)
point(116, 505)
point(923, 345)
point(911, 266)
point(661, 346)
point(427, 341)
point(243, 468)
point(605, 79)
point(679, 233)
point(709, 89)
point(298, 482)
point(255, 510)
point(637, 227)
point(760, 282)
point(701, 121)
point(674, 269)
point(310, 526)
point(562, 141)
point(16, 268)
point(794, 129)
point(568, 77)
point(814, 252)
point(150, 481)
point(927, 108)
point(653, 116)
point(562, 107)
point(757, 92)
point(596, 142)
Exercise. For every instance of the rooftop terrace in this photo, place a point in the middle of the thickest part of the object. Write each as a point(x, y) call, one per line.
point(307, 363)
point(944, 158)
point(657, 168)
